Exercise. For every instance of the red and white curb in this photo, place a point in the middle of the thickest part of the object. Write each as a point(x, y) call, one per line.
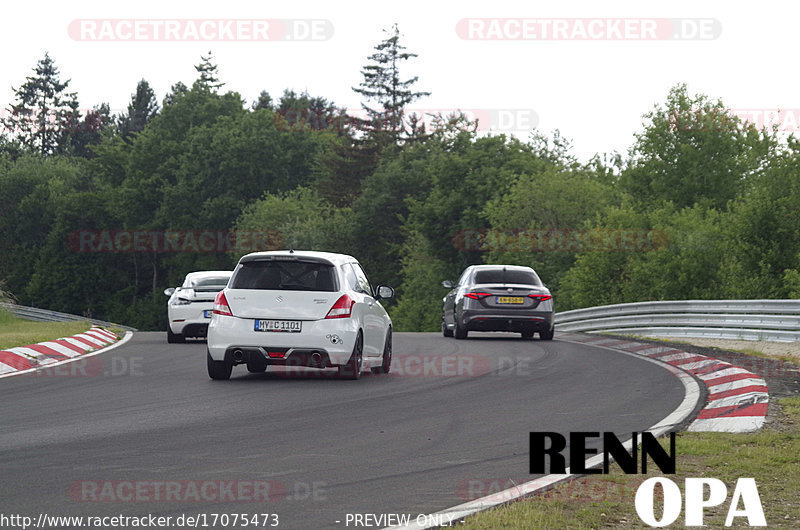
point(737, 398)
point(669, 423)
point(22, 359)
point(737, 402)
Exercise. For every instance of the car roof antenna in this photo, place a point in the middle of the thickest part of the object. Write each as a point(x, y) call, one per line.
point(291, 251)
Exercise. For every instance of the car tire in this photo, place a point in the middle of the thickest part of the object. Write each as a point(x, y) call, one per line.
point(352, 370)
point(446, 332)
point(547, 335)
point(386, 362)
point(174, 338)
point(459, 332)
point(218, 370)
point(528, 334)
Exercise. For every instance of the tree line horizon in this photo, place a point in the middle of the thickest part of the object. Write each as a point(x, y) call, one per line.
point(704, 205)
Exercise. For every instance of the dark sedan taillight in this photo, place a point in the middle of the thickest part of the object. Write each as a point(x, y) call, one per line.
point(540, 297)
point(477, 295)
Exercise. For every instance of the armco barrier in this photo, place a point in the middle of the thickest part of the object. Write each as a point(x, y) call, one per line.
point(45, 315)
point(773, 320)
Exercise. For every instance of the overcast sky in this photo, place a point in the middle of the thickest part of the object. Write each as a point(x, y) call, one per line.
point(575, 66)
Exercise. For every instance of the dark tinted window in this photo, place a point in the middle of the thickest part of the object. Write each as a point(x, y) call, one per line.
point(505, 276)
point(285, 276)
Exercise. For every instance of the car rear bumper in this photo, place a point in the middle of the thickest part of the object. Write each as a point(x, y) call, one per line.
point(189, 320)
point(332, 339)
point(506, 321)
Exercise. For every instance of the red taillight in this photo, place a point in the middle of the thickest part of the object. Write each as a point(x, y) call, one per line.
point(342, 308)
point(477, 296)
point(541, 297)
point(221, 305)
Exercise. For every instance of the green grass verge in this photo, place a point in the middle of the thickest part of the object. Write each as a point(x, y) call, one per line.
point(19, 332)
point(771, 456)
point(787, 358)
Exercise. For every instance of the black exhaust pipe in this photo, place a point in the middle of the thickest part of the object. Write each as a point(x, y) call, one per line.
point(238, 356)
point(316, 359)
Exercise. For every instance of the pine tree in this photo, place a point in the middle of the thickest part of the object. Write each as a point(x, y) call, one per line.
point(142, 108)
point(44, 116)
point(208, 73)
point(382, 85)
point(89, 131)
point(352, 157)
point(303, 111)
point(176, 91)
point(264, 101)
point(343, 166)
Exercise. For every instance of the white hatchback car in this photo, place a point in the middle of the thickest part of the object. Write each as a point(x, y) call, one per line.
point(300, 308)
point(190, 306)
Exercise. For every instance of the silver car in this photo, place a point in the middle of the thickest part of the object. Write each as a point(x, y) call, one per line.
point(498, 298)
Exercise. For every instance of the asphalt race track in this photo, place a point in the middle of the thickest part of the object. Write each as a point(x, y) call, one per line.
point(449, 422)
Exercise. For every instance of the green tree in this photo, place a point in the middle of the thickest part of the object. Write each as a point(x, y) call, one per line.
point(298, 219)
point(542, 220)
point(207, 69)
point(142, 108)
point(383, 85)
point(304, 112)
point(692, 149)
point(764, 231)
point(420, 308)
point(264, 101)
point(458, 175)
point(344, 164)
point(176, 91)
point(88, 133)
point(662, 254)
point(25, 218)
point(45, 114)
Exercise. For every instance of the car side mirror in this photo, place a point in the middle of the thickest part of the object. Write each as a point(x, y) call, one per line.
point(169, 291)
point(448, 284)
point(384, 292)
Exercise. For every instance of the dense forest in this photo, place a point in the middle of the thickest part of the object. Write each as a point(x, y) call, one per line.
point(100, 213)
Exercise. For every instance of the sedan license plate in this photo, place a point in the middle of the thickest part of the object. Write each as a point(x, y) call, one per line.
point(207, 313)
point(509, 300)
point(281, 326)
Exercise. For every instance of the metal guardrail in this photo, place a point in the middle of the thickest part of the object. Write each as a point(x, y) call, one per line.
point(45, 315)
point(773, 320)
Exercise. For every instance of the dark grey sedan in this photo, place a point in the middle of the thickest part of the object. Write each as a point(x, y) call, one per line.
point(498, 298)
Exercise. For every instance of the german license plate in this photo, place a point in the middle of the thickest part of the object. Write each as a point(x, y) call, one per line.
point(281, 326)
point(509, 300)
point(207, 313)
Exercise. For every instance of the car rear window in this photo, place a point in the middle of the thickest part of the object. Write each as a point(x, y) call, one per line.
point(210, 284)
point(506, 276)
point(285, 276)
